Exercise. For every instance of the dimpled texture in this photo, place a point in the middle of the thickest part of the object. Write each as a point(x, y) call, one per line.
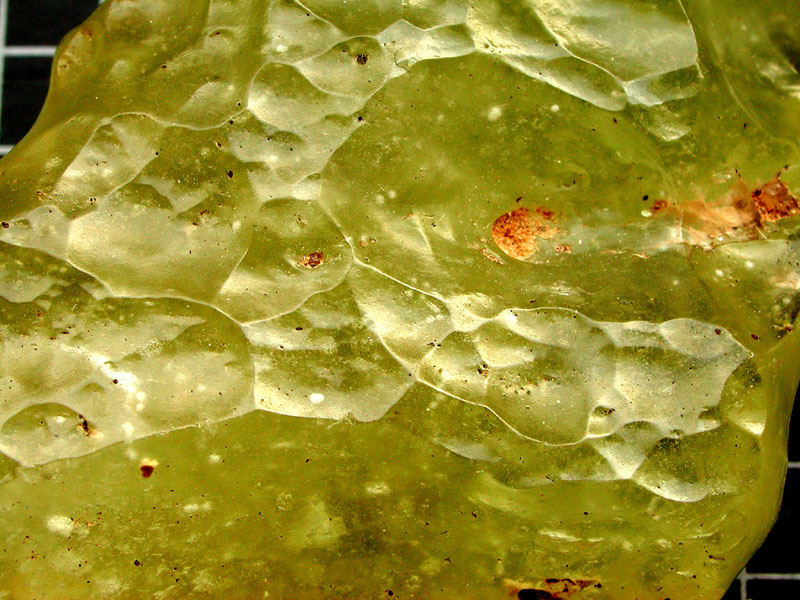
point(410, 299)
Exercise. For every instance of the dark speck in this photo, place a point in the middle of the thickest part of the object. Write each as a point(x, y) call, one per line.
point(137, 563)
point(361, 59)
point(531, 594)
point(147, 470)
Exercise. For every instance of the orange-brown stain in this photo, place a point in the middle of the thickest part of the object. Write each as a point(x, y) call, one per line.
point(313, 260)
point(774, 202)
point(742, 214)
point(517, 232)
point(491, 256)
point(659, 205)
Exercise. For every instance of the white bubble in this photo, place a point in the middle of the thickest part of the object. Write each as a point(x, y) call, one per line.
point(61, 525)
point(316, 398)
point(378, 489)
point(495, 113)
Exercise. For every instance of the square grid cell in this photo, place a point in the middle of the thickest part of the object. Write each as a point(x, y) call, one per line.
point(29, 33)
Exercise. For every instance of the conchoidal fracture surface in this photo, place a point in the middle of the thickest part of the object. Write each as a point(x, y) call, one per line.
point(420, 299)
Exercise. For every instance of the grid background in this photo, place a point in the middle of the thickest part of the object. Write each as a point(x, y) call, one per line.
point(29, 32)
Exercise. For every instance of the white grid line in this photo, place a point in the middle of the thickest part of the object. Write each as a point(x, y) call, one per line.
point(3, 27)
point(771, 576)
point(28, 51)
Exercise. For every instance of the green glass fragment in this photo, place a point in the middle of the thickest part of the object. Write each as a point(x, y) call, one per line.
point(420, 299)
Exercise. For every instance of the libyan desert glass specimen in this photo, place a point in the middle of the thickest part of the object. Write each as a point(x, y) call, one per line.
point(409, 299)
